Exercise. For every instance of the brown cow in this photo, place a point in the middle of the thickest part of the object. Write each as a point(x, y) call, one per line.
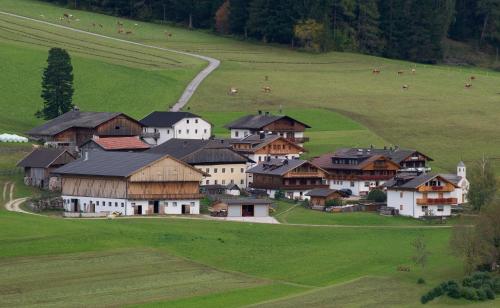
point(267, 89)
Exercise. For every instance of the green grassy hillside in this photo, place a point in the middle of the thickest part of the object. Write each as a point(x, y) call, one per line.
point(436, 114)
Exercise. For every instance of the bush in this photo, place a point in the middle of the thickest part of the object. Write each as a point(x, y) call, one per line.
point(377, 195)
point(481, 294)
point(424, 299)
point(279, 194)
point(334, 202)
point(489, 293)
point(421, 281)
point(496, 285)
point(454, 291)
point(469, 293)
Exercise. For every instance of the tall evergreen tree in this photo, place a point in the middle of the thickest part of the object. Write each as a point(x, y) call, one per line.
point(238, 15)
point(368, 35)
point(57, 85)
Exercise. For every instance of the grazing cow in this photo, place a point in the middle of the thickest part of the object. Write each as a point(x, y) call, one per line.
point(233, 91)
point(129, 32)
point(468, 85)
point(120, 30)
point(66, 15)
point(267, 89)
point(119, 23)
point(472, 77)
point(413, 71)
point(136, 25)
point(375, 71)
point(400, 72)
point(405, 87)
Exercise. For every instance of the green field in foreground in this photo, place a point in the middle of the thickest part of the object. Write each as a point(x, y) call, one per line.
point(436, 115)
point(268, 261)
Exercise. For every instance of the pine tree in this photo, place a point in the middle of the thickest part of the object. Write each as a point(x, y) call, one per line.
point(57, 85)
point(368, 34)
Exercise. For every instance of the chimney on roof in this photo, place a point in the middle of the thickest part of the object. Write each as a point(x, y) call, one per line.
point(268, 158)
point(285, 162)
point(262, 135)
point(85, 155)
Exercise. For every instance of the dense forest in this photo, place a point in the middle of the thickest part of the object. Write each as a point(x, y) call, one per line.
point(405, 29)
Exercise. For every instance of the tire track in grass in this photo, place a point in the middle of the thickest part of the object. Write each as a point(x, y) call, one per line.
point(213, 63)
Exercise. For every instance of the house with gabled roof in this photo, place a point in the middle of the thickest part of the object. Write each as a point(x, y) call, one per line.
point(130, 183)
point(161, 126)
point(215, 157)
point(39, 164)
point(77, 127)
point(359, 171)
point(294, 177)
point(258, 147)
point(282, 125)
point(420, 195)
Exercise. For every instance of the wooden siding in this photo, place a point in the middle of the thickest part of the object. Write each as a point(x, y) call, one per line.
point(167, 170)
point(94, 187)
point(166, 190)
point(119, 126)
point(285, 125)
point(280, 147)
point(447, 187)
point(63, 159)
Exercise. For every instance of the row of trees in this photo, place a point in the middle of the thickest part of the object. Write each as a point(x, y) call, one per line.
point(406, 29)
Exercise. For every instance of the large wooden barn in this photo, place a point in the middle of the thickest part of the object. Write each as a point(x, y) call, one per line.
point(77, 127)
point(130, 184)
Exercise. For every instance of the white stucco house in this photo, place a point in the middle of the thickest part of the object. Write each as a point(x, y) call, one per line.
point(422, 195)
point(161, 126)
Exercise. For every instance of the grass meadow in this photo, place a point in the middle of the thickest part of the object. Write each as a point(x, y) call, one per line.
point(436, 115)
point(157, 262)
point(189, 262)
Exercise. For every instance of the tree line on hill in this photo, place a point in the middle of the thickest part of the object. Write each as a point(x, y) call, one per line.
point(405, 29)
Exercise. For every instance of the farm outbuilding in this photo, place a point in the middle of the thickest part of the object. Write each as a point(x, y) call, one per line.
point(39, 164)
point(243, 207)
point(320, 196)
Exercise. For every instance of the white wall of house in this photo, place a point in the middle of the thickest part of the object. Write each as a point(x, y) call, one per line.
point(290, 194)
point(187, 128)
point(240, 133)
point(126, 207)
point(106, 205)
point(358, 188)
point(406, 202)
point(262, 157)
point(225, 174)
point(260, 210)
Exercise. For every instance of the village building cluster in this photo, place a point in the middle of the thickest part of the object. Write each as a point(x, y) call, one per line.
point(167, 162)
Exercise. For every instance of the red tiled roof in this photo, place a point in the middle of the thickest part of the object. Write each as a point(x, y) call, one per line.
point(121, 143)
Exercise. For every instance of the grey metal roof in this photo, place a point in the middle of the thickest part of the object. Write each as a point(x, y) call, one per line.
point(166, 118)
point(41, 157)
point(258, 121)
point(241, 201)
point(320, 192)
point(413, 182)
point(455, 179)
point(194, 151)
point(108, 163)
point(277, 166)
point(74, 118)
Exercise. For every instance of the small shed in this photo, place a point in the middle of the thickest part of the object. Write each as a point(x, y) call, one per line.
point(320, 196)
point(39, 164)
point(243, 207)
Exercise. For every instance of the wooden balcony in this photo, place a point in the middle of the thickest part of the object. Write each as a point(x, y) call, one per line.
point(164, 196)
point(294, 175)
point(361, 177)
point(447, 188)
point(150, 135)
point(437, 201)
point(287, 187)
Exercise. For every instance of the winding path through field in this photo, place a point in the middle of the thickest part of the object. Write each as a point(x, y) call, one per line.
point(213, 63)
point(13, 205)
